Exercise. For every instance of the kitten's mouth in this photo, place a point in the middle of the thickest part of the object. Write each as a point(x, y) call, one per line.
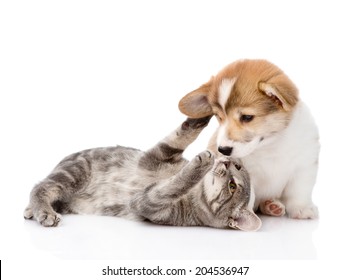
point(236, 218)
point(220, 168)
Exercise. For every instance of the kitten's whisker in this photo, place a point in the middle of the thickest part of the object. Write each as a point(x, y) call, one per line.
point(220, 174)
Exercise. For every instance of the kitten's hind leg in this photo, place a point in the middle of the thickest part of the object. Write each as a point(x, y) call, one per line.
point(40, 207)
point(54, 193)
point(28, 213)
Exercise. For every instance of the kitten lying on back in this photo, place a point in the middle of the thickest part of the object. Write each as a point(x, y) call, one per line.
point(158, 185)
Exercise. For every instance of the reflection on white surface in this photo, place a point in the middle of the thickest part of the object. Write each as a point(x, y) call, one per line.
point(92, 237)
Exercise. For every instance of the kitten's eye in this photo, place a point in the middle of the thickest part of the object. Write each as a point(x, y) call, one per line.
point(246, 118)
point(238, 167)
point(232, 185)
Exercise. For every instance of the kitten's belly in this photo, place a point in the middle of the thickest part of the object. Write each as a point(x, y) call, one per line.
point(107, 194)
point(110, 192)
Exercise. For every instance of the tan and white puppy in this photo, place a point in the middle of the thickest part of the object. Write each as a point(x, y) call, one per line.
point(263, 122)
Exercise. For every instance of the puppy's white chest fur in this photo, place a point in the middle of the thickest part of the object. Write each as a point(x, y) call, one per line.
point(290, 157)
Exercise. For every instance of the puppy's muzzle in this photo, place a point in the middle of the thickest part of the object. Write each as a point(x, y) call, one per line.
point(225, 150)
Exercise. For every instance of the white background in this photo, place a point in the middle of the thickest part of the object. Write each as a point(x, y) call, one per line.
point(82, 74)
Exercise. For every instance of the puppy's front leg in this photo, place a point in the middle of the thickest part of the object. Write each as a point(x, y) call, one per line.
point(297, 195)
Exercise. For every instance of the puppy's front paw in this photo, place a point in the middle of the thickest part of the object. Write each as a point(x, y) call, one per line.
point(302, 212)
point(272, 207)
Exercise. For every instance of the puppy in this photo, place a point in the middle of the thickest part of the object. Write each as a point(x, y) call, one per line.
point(263, 122)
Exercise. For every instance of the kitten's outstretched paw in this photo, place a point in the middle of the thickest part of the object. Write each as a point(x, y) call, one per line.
point(202, 163)
point(204, 158)
point(272, 208)
point(196, 123)
point(307, 212)
point(198, 166)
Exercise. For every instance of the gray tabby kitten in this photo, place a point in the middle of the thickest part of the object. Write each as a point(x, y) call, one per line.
point(158, 185)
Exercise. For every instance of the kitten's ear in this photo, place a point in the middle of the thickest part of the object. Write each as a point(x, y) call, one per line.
point(248, 221)
point(196, 104)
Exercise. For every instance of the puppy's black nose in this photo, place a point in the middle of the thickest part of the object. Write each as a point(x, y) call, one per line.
point(225, 150)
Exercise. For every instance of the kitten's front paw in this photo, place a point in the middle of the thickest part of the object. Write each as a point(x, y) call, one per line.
point(205, 158)
point(196, 123)
point(198, 166)
point(203, 163)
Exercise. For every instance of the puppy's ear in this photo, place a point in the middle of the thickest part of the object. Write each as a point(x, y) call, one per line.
point(281, 90)
point(196, 104)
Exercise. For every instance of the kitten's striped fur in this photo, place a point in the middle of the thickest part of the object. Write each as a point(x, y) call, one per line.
point(158, 185)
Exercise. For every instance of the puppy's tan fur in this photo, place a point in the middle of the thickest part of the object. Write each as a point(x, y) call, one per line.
point(261, 89)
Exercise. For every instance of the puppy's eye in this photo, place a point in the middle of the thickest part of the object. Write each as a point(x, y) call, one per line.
point(232, 185)
point(246, 118)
